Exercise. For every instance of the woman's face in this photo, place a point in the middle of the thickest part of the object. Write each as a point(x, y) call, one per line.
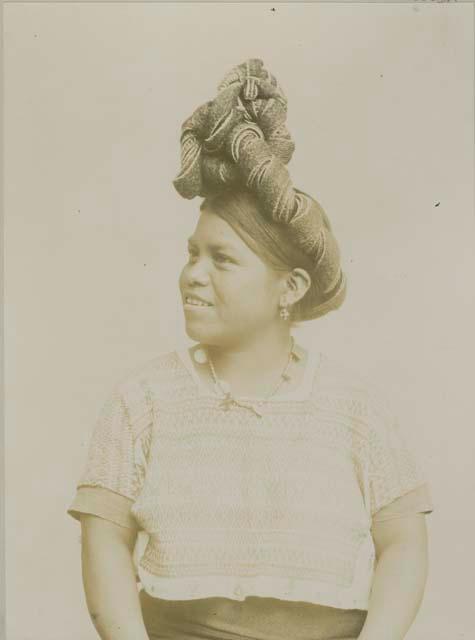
point(241, 293)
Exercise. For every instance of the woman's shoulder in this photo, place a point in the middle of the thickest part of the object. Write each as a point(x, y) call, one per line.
point(151, 376)
point(333, 369)
point(347, 384)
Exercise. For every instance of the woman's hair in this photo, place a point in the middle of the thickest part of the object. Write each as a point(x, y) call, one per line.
point(233, 153)
point(271, 242)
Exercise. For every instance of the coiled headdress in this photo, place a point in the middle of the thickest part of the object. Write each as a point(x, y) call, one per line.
point(240, 140)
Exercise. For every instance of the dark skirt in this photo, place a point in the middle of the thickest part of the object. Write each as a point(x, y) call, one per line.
point(254, 618)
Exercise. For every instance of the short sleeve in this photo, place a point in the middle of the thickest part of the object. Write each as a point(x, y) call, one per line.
point(104, 503)
point(397, 482)
point(418, 500)
point(116, 462)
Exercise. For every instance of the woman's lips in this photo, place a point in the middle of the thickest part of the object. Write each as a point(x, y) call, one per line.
point(196, 307)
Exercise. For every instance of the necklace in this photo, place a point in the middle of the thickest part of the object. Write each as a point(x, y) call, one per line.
point(229, 400)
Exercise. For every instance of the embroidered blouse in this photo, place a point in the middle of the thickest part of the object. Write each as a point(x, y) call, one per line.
point(233, 504)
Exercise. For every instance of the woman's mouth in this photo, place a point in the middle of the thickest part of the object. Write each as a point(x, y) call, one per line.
point(195, 303)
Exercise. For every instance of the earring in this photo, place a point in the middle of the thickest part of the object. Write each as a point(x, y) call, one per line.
point(284, 312)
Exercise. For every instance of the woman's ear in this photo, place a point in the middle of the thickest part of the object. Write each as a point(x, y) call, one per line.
point(298, 282)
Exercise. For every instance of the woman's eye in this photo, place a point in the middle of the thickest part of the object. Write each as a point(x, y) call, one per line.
point(220, 257)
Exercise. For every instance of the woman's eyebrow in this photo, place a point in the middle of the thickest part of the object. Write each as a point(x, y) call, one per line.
point(215, 246)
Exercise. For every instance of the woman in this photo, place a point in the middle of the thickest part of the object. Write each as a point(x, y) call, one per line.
point(278, 495)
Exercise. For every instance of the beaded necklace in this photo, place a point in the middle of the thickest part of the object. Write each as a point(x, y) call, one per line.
point(229, 400)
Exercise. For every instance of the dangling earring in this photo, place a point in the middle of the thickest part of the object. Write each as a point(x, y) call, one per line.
point(284, 312)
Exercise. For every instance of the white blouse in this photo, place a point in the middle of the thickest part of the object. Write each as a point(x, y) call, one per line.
point(277, 503)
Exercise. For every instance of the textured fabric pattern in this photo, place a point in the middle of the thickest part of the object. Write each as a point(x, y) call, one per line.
point(241, 138)
point(116, 508)
point(236, 505)
point(119, 444)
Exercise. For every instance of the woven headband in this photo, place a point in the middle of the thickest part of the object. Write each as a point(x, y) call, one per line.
point(241, 138)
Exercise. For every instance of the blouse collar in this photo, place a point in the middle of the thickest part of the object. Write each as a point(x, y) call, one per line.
point(299, 393)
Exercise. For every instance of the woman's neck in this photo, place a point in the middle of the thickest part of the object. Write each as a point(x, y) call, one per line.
point(246, 365)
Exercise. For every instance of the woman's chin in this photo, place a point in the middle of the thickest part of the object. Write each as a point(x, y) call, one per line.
point(196, 330)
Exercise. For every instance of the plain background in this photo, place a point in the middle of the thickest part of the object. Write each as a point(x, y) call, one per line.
point(381, 110)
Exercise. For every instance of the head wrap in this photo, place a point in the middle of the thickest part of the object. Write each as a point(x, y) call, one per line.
point(240, 139)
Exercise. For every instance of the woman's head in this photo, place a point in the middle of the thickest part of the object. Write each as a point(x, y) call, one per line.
point(234, 152)
point(253, 266)
point(241, 283)
point(273, 243)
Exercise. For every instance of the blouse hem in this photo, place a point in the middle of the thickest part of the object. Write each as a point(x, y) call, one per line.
point(239, 588)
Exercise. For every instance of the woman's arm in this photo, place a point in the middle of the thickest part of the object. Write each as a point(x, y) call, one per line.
point(109, 579)
point(399, 578)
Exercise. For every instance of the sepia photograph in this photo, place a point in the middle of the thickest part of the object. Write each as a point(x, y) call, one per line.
point(239, 308)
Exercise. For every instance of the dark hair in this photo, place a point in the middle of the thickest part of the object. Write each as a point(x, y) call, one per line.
point(271, 241)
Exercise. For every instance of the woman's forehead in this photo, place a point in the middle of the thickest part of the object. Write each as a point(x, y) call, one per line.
point(242, 232)
point(212, 229)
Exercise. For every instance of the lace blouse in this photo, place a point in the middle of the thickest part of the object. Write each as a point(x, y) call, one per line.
point(235, 504)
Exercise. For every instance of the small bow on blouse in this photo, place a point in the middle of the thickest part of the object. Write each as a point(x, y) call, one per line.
point(228, 401)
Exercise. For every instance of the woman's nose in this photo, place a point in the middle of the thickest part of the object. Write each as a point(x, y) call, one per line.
point(196, 272)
